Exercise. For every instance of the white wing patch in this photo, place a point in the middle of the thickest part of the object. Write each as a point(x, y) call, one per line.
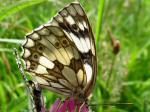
point(70, 20)
point(81, 26)
point(41, 80)
point(26, 53)
point(85, 25)
point(40, 70)
point(30, 43)
point(80, 76)
point(33, 36)
point(89, 71)
point(28, 64)
point(88, 42)
point(86, 49)
point(45, 62)
point(77, 42)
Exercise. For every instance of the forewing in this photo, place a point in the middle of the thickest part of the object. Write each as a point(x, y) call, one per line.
point(61, 53)
point(73, 21)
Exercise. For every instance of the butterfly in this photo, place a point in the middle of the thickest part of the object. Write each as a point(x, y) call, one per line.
point(61, 54)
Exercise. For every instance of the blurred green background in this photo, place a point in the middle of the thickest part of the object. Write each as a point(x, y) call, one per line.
point(122, 78)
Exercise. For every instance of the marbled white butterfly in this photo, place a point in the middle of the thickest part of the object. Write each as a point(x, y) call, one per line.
point(61, 54)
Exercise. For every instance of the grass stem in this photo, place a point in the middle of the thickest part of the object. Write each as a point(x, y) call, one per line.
point(99, 20)
point(15, 41)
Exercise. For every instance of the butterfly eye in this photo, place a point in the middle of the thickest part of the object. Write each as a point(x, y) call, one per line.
point(35, 56)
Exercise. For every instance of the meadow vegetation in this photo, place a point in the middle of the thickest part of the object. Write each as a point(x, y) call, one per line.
point(122, 77)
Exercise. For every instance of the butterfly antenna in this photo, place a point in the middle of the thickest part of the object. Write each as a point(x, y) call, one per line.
point(18, 61)
point(21, 68)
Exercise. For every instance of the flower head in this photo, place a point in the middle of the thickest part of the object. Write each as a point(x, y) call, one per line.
point(69, 105)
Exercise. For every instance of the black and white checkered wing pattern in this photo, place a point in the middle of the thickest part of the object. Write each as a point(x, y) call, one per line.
point(61, 54)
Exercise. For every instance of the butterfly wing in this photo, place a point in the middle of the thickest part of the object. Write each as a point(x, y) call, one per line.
point(61, 54)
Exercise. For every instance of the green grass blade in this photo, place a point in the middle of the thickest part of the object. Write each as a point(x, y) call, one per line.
point(13, 8)
point(99, 20)
point(98, 30)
